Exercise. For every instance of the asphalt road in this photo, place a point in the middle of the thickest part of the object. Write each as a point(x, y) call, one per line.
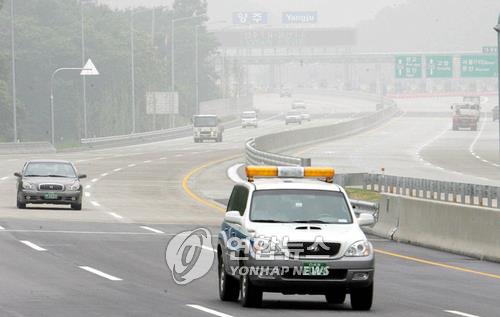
point(109, 259)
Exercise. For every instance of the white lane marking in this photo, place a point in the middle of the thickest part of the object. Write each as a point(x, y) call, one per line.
point(117, 216)
point(2, 228)
point(208, 248)
point(104, 174)
point(178, 155)
point(4, 178)
point(87, 194)
point(232, 173)
point(92, 232)
point(117, 169)
point(459, 313)
point(94, 180)
point(32, 245)
point(152, 229)
point(147, 161)
point(208, 310)
point(95, 203)
point(100, 273)
point(131, 165)
point(87, 186)
point(163, 158)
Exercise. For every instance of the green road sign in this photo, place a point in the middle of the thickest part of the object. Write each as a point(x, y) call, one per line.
point(408, 66)
point(478, 66)
point(439, 66)
point(490, 49)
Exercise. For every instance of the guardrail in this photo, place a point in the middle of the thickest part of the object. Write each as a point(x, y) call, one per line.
point(461, 193)
point(136, 137)
point(262, 150)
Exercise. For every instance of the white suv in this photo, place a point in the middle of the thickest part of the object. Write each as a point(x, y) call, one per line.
point(287, 234)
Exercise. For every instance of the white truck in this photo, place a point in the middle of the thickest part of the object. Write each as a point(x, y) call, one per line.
point(207, 127)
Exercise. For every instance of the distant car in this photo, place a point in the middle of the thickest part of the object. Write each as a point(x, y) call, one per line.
point(298, 104)
point(49, 182)
point(494, 113)
point(249, 119)
point(305, 116)
point(293, 116)
point(285, 93)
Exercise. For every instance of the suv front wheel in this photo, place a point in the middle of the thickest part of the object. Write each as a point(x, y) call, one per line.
point(362, 298)
point(251, 295)
point(229, 288)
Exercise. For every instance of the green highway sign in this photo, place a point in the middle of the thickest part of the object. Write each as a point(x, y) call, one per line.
point(478, 66)
point(439, 66)
point(490, 49)
point(408, 66)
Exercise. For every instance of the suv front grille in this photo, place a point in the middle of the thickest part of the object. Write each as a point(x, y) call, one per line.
point(313, 248)
point(333, 274)
point(57, 187)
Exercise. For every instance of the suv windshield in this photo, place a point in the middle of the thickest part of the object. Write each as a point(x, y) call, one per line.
point(248, 115)
point(205, 121)
point(49, 169)
point(300, 206)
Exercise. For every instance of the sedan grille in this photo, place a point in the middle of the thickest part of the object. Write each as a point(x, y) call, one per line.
point(57, 187)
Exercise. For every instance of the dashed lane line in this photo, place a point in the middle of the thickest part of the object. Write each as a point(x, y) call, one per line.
point(459, 313)
point(117, 216)
point(32, 245)
point(95, 203)
point(208, 310)
point(152, 230)
point(100, 273)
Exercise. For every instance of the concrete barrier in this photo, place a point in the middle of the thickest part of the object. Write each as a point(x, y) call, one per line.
point(468, 230)
point(26, 148)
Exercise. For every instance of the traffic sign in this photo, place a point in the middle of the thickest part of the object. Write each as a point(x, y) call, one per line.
point(439, 66)
point(478, 66)
point(409, 66)
point(299, 17)
point(247, 17)
point(89, 69)
point(490, 49)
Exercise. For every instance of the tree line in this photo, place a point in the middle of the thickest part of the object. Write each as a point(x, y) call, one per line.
point(48, 36)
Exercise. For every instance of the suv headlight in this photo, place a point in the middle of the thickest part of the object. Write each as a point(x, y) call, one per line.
point(27, 185)
point(359, 248)
point(75, 186)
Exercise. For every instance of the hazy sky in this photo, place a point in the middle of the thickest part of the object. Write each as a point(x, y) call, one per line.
point(331, 12)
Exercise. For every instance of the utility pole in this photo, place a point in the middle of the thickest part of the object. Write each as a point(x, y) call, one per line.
point(13, 57)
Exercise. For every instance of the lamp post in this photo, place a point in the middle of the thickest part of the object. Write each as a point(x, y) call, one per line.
point(13, 57)
point(84, 71)
point(497, 28)
point(172, 57)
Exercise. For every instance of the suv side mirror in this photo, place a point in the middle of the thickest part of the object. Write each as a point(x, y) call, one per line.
point(16, 174)
point(365, 219)
point(233, 217)
point(82, 176)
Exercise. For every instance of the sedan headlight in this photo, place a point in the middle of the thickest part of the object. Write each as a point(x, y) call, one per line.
point(75, 186)
point(359, 248)
point(27, 185)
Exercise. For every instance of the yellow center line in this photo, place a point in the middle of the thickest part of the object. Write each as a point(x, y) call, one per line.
point(185, 183)
point(438, 264)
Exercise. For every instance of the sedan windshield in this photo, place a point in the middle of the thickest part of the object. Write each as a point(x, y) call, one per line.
point(49, 169)
point(300, 206)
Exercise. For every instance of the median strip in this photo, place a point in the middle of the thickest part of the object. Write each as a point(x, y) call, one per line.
point(100, 273)
point(32, 245)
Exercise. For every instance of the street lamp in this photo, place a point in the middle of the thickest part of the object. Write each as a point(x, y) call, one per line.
point(13, 57)
point(172, 57)
point(84, 81)
point(497, 28)
point(87, 70)
point(132, 57)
